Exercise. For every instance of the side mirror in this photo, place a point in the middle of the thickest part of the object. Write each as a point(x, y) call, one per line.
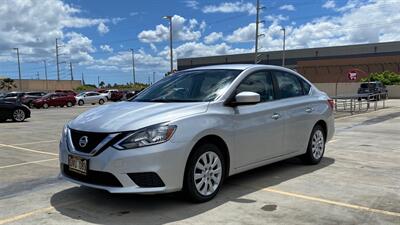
point(246, 98)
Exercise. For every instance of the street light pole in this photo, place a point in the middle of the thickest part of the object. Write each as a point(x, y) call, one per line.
point(133, 66)
point(19, 70)
point(170, 42)
point(283, 46)
point(45, 74)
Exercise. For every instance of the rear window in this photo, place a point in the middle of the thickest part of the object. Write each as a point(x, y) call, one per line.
point(368, 85)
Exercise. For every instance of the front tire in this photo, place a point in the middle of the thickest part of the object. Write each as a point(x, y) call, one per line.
point(80, 102)
point(69, 104)
point(316, 146)
point(45, 106)
point(18, 115)
point(205, 172)
point(101, 101)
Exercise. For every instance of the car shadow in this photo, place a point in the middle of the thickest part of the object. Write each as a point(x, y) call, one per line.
point(101, 207)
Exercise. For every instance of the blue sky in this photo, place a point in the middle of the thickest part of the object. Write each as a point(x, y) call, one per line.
point(96, 35)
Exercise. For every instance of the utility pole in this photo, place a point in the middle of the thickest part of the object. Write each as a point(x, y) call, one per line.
point(19, 70)
point(169, 18)
point(83, 79)
point(257, 32)
point(284, 46)
point(98, 81)
point(133, 67)
point(148, 79)
point(70, 70)
point(45, 74)
point(57, 63)
point(154, 77)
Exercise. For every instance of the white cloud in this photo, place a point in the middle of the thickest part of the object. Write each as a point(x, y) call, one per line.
point(182, 30)
point(330, 4)
point(244, 34)
point(213, 37)
point(102, 28)
point(42, 22)
point(153, 47)
point(193, 4)
point(122, 61)
point(196, 49)
point(106, 48)
point(117, 20)
point(287, 7)
point(134, 13)
point(78, 48)
point(375, 21)
point(231, 7)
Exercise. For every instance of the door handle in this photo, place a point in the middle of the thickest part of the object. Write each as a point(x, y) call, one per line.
point(276, 116)
point(309, 109)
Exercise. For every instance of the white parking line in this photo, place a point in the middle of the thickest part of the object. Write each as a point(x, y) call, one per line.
point(36, 142)
point(326, 201)
point(26, 163)
point(28, 150)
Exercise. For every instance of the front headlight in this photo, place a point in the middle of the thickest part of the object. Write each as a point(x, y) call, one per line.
point(147, 136)
point(64, 133)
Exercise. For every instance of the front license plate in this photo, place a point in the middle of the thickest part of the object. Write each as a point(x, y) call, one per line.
point(77, 164)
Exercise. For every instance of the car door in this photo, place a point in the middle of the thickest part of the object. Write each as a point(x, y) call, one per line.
point(259, 127)
point(299, 108)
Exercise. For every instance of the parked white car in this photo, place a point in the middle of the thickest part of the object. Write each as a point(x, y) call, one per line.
point(107, 93)
point(91, 98)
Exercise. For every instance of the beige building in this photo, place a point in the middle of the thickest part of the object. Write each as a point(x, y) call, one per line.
point(43, 85)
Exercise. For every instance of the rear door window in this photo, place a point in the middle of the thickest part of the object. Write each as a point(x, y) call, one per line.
point(288, 84)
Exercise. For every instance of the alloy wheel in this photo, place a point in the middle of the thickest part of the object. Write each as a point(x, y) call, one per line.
point(207, 173)
point(317, 144)
point(19, 115)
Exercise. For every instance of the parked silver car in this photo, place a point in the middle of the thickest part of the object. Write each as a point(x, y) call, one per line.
point(90, 97)
point(191, 130)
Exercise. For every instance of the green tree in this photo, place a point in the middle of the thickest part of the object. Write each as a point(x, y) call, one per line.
point(101, 84)
point(7, 84)
point(386, 77)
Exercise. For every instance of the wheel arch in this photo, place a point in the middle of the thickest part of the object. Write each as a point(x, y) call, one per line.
point(222, 145)
point(324, 126)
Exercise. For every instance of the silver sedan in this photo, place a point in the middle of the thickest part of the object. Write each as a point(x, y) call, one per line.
point(193, 129)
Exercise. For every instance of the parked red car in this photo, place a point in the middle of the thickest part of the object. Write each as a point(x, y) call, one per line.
point(67, 92)
point(54, 99)
point(117, 95)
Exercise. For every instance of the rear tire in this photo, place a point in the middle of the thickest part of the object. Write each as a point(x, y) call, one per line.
point(18, 115)
point(205, 172)
point(101, 101)
point(80, 102)
point(316, 146)
point(69, 104)
point(45, 106)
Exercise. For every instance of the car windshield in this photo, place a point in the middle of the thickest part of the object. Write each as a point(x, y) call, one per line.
point(189, 86)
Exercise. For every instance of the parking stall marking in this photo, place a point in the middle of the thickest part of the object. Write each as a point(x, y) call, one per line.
point(32, 213)
point(331, 202)
point(36, 142)
point(27, 149)
point(26, 163)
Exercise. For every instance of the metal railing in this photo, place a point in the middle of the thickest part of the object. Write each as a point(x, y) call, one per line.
point(360, 102)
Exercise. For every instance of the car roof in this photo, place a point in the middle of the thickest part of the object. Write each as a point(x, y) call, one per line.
point(236, 67)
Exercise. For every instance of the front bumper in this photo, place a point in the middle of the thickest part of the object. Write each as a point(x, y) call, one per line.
point(167, 160)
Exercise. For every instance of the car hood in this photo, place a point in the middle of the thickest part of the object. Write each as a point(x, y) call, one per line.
point(128, 116)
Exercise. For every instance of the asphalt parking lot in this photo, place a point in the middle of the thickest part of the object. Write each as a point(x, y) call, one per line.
point(358, 182)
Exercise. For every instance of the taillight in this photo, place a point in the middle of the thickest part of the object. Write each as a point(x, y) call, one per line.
point(331, 103)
